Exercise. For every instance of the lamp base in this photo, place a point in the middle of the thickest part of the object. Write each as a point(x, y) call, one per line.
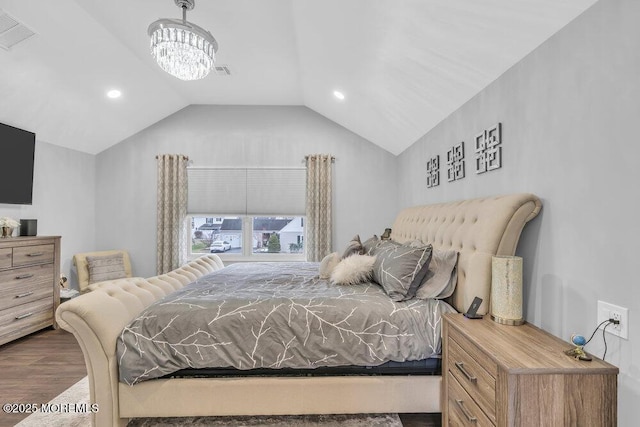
point(510, 322)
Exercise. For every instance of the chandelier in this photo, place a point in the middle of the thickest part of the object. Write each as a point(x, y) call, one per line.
point(182, 49)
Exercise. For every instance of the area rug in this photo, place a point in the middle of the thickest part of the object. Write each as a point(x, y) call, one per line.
point(78, 395)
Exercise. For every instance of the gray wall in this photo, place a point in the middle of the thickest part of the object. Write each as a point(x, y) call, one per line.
point(239, 136)
point(570, 115)
point(63, 200)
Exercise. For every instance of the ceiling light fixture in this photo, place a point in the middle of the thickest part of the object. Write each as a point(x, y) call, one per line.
point(114, 93)
point(338, 95)
point(182, 49)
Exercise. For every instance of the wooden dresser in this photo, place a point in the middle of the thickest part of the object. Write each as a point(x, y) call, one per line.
point(29, 289)
point(499, 375)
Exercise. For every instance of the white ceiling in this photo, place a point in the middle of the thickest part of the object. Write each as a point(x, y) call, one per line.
point(403, 65)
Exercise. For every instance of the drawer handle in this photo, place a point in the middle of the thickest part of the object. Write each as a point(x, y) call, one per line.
point(24, 276)
point(470, 377)
point(36, 254)
point(466, 413)
point(22, 316)
point(26, 294)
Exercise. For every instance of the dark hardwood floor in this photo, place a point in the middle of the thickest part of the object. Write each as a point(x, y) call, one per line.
point(38, 367)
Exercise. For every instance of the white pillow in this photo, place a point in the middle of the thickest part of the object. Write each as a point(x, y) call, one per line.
point(328, 263)
point(353, 269)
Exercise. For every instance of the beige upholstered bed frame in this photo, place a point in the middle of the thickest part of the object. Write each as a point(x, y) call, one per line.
point(478, 229)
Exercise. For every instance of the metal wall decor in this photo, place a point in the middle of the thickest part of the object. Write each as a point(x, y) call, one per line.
point(489, 149)
point(455, 162)
point(433, 171)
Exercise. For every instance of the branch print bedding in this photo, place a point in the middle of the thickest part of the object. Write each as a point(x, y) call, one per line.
point(276, 315)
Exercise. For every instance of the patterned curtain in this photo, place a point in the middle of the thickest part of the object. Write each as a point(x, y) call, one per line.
point(172, 212)
point(318, 206)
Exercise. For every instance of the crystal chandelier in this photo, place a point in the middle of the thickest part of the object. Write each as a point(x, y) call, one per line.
point(181, 48)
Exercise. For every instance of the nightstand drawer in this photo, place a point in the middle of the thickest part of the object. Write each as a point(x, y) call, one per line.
point(473, 377)
point(474, 352)
point(463, 411)
point(31, 255)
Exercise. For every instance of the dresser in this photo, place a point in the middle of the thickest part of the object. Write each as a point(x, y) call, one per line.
point(29, 285)
point(499, 375)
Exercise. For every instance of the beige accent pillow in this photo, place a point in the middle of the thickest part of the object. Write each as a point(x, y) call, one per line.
point(328, 263)
point(107, 267)
point(353, 269)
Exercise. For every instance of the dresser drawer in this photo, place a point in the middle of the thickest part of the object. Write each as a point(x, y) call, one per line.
point(5, 257)
point(473, 377)
point(26, 318)
point(462, 410)
point(23, 285)
point(31, 255)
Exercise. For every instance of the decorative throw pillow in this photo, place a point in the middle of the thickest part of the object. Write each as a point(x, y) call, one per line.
point(440, 281)
point(353, 269)
point(370, 244)
point(353, 247)
point(328, 263)
point(107, 267)
point(400, 269)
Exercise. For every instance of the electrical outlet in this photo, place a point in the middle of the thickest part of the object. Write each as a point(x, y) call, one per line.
point(608, 311)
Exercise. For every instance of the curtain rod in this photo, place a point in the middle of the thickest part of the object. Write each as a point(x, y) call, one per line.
point(333, 159)
point(181, 155)
point(247, 168)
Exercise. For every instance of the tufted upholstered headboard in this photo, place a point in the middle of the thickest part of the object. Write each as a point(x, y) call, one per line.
point(477, 229)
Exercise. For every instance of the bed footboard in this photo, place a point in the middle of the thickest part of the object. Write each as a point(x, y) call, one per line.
point(97, 318)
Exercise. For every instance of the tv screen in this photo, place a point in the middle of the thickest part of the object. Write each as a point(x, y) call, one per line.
point(16, 172)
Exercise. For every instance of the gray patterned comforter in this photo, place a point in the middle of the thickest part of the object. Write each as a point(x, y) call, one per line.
point(276, 315)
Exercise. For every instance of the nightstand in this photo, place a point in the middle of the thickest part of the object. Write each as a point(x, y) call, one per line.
point(499, 375)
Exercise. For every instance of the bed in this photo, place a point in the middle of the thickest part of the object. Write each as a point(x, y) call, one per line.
point(476, 229)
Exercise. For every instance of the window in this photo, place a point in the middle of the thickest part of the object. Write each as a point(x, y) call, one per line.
point(267, 236)
point(247, 213)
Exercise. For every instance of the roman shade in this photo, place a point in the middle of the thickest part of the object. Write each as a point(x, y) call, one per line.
point(246, 191)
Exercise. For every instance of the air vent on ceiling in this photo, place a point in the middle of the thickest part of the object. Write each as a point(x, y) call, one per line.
point(222, 70)
point(12, 31)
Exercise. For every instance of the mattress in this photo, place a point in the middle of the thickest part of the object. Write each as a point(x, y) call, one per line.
point(276, 316)
point(431, 366)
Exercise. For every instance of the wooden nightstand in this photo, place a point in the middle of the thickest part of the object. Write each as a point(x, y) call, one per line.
point(498, 375)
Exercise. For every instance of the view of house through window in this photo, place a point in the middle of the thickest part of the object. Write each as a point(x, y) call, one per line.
point(230, 234)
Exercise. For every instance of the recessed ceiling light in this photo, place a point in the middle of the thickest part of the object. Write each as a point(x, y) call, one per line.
point(114, 93)
point(338, 95)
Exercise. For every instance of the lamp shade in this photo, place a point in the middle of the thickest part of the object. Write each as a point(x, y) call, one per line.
point(506, 290)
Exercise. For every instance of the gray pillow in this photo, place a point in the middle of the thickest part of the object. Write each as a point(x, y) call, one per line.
point(370, 244)
point(400, 269)
point(354, 247)
point(442, 276)
point(106, 267)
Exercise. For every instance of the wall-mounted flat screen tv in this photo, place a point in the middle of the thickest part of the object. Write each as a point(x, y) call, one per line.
point(17, 149)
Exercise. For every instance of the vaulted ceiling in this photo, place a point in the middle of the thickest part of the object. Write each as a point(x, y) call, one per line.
point(403, 65)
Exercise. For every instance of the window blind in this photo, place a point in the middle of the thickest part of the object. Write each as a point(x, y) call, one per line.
point(251, 191)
